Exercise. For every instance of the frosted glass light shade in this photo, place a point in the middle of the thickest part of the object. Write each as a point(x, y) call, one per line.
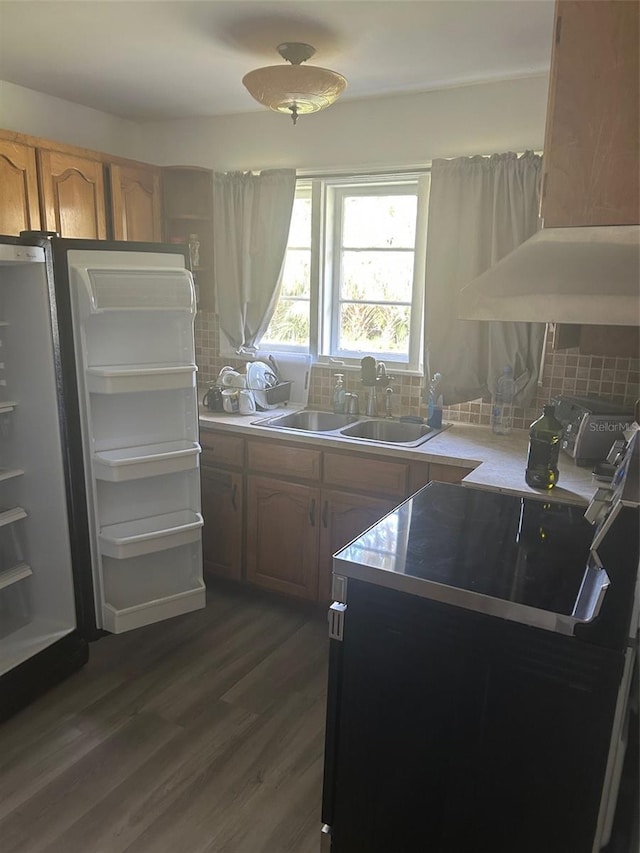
point(297, 89)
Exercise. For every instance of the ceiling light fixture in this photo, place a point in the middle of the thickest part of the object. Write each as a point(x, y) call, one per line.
point(295, 89)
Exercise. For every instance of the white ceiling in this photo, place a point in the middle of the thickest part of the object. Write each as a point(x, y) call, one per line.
point(143, 59)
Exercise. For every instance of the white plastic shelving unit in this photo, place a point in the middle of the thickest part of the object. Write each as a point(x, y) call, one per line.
point(37, 602)
point(133, 329)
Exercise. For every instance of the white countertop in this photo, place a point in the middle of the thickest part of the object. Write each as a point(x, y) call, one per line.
point(499, 462)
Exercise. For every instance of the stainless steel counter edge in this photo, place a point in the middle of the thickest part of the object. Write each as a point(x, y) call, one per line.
point(467, 599)
point(499, 461)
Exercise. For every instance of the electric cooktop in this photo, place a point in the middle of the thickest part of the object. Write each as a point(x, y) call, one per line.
point(521, 558)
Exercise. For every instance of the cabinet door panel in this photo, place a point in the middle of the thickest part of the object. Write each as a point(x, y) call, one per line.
point(222, 501)
point(343, 517)
point(283, 521)
point(72, 191)
point(135, 203)
point(592, 142)
point(19, 209)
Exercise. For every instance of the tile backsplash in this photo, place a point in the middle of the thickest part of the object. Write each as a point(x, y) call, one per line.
point(565, 372)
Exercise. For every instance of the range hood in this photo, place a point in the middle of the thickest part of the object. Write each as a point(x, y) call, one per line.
point(585, 275)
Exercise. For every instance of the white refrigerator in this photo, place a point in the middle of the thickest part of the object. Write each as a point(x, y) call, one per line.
point(100, 522)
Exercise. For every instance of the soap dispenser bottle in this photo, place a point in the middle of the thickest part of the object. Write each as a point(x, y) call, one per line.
point(339, 398)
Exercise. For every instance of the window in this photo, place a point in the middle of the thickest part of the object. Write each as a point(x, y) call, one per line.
point(353, 275)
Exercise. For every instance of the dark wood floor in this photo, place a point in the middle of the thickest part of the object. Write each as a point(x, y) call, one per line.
point(203, 733)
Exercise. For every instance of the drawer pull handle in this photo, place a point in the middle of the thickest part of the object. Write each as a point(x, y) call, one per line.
point(234, 494)
point(312, 513)
point(325, 509)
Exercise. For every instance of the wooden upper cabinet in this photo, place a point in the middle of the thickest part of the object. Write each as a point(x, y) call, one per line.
point(592, 136)
point(19, 209)
point(135, 203)
point(72, 195)
point(188, 209)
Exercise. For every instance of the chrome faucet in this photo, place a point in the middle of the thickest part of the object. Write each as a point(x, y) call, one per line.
point(388, 394)
point(372, 402)
point(374, 374)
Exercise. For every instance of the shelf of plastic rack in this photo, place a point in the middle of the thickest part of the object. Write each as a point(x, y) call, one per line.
point(7, 406)
point(118, 620)
point(14, 574)
point(125, 379)
point(9, 514)
point(146, 535)
point(10, 473)
point(149, 460)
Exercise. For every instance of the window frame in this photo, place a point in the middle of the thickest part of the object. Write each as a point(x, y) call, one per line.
point(324, 265)
point(337, 192)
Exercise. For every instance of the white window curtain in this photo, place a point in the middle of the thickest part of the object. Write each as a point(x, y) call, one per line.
point(251, 218)
point(480, 209)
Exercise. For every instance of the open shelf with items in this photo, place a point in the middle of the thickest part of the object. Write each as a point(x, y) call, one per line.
point(188, 210)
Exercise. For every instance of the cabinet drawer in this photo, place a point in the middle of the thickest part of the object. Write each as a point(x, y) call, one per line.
point(375, 476)
point(284, 460)
point(448, 473)
point(221, 449)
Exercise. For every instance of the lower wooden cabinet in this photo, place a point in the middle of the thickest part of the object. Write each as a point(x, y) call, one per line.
point(283, 526)
point(222, 535)
point(299, 506)
point(343, 517)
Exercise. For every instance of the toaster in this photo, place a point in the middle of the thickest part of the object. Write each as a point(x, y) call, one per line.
point(591, 426)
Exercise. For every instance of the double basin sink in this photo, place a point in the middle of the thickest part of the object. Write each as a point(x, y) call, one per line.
point(388, 431)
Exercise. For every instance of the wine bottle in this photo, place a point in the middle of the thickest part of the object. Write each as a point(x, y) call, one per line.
point(545, 436)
